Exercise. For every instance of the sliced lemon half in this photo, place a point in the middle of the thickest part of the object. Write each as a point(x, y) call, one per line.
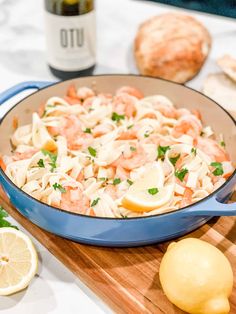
point(18, 261)
point(139, 197)
point(142, 201)
point(152, 177)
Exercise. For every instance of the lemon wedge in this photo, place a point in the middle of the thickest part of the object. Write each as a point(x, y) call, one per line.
point(147, 193)
point(196, 277)
point(18, 261)
point(142, 201)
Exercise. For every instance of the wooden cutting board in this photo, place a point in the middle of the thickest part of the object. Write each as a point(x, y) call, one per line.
point(127, 279)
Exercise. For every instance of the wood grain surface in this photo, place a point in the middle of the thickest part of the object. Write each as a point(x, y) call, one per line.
point(127, 279)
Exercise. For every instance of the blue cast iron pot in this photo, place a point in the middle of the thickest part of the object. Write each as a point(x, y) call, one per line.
point(110, 231)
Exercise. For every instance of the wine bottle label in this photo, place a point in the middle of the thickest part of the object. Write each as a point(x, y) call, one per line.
point(71, 41)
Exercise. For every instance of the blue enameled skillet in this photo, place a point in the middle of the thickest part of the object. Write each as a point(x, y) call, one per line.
point(110, 231)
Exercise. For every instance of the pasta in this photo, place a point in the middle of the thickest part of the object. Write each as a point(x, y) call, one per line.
point(121, 156)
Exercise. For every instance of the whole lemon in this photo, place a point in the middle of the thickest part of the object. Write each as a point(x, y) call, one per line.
point(196, 277)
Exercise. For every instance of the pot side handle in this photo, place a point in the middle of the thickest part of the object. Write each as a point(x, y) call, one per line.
point(14, 90)
point(216, 205)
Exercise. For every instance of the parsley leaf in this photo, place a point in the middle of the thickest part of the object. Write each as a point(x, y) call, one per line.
point(133, 149)
point(53, 158)
point(174, 160)
point(3, 221)
point(123, 216)
point(41, 163)
point(194, 151)
point(92, 151)
point(161, 150)
point(88, 130)
point(146, 134)
point(153, 191)
point(222, 143)
point(3, 213)
point(116, 181)
point(103, 179)
point(218, 168)
point(94, 202)
point(130, 182)
point(59, 187)
point(117, 117)
point(180, 174)
point(130, 126)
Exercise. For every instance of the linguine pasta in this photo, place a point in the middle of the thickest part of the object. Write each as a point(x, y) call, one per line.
point(96, 154)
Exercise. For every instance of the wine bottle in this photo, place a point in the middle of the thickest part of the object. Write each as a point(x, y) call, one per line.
point(70, 37)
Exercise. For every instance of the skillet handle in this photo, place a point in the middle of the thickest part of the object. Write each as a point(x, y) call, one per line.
point(212, 208)
point(14, 90)
point(215, 205)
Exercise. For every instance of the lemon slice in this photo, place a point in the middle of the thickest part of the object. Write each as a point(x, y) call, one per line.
point(142, 201)
point(138, 198)
point(18, 261)
point(152, 177)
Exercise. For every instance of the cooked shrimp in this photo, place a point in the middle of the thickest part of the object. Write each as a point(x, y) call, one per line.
point(72, 101)
point(26, 155)
point(121, 173)
point(130, 91)
point(167, 111)
point(111, 191)
point(187, 198)
point(84, 93)
point(74, 201)
point(72, 131)
point(188, 124)
point(125, 104)
point(136, 159)
point(128, 135)
point(212, 149)
point(71, 92)
point(102, 129)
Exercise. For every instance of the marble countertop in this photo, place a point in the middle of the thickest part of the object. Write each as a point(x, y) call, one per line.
point(22, 58)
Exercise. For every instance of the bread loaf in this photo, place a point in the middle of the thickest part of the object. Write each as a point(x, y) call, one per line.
point(172, 46)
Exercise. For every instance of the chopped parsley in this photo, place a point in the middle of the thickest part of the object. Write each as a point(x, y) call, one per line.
point(218, 168)
point(103, 179)
point(161, 150)
point(41, 163)
point(87, 130)
point(180, 174)
point(94, 202)
point(130, 182)
point(53, 158)
point(153, 191)
point(3, 221)
point(123, 216)
point(133, 149)
point(59, 187)
point(146, 134)
point(117, 117)
point(116, 181)
point(92, 151)
point(194, 151)
point(130, 126)
point(174, 160)
point(222, 143)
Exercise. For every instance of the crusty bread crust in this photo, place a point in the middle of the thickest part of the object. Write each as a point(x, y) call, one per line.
point(171, 46)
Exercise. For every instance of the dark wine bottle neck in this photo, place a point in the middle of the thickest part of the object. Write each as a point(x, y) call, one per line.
point(69, 8)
